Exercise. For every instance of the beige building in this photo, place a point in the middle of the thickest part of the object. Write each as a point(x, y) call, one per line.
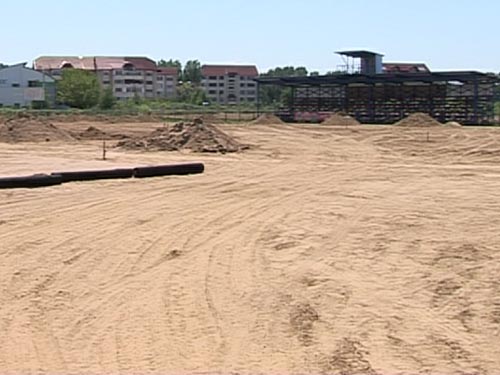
point(230, 84)
point(166, 82)
point(126, 76)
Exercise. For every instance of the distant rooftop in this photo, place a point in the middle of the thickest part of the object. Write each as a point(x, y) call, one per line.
point(93, 62)
point(220, 70)
point(359, 53)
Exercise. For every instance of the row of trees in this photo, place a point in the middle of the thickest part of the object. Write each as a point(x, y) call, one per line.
point(191, 72)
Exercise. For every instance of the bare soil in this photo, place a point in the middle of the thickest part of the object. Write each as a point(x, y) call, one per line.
point(94, 133)
point(28, 129)
point(418, 119)
point(366, 250)
point(341, 120)
point(267, 119)
point(195, 136)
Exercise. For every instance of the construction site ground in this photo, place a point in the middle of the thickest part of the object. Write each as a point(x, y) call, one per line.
point(320, 249)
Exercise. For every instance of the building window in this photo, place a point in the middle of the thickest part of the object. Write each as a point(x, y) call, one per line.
point(212, 92)
point(221, 77)
point(212, 84)
point(250, 84)
point(170, 78)
point(221, 84)
point(118, 72)
point(15, 85)
point(212, 77)
point(221, 92)
point(134, 82)
point(118, 89)
point(3, 81)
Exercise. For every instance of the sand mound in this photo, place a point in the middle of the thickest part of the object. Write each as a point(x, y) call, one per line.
point(342, 120)
point(453, 124)
point(267, 119)
point(418, 120)
point(93, 133)
point(195, 136)
point(31, 129)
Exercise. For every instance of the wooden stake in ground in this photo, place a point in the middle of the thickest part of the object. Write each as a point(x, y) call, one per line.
point(103, 150)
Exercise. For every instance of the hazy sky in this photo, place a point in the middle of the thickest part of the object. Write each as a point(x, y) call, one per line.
point(445, 34)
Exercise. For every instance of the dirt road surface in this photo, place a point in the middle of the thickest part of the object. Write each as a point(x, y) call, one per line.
point(369, 250)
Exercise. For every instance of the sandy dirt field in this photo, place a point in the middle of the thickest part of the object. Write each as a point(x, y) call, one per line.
point(369, 249)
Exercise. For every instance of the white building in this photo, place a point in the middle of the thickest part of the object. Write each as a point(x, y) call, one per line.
point(126, 76)
point(230, 84)
point(23, 87)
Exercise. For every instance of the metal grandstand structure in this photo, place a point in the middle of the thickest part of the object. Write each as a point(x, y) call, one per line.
point(384, 98)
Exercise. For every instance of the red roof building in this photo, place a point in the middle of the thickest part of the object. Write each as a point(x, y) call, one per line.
point(126, 76)
point(222, 70)
point(93, 63)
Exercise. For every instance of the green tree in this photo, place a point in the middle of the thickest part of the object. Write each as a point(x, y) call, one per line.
point(3, 66)
point(276, 95)
point(334, 72)
point(172, 64)
point(187, 92)
point(107, 99)
point(78, 88)
point(192, 72)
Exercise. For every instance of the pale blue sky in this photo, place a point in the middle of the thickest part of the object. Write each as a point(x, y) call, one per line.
point(445, 34)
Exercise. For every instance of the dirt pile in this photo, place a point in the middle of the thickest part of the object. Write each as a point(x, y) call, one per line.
point(453, 124)
point(25, 128)
point(93, 133)
point(195, 136)
point(267, 119)
point(342, 120)
point(418, 119)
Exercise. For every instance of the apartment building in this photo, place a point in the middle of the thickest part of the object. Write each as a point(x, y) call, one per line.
point(166, 82)
point(230, 84)
point(23, 87)
point(126, 76)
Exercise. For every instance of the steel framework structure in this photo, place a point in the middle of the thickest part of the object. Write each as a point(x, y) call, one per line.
point(463, 96)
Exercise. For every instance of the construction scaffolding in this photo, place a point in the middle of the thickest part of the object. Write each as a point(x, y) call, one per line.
point(463, 96)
